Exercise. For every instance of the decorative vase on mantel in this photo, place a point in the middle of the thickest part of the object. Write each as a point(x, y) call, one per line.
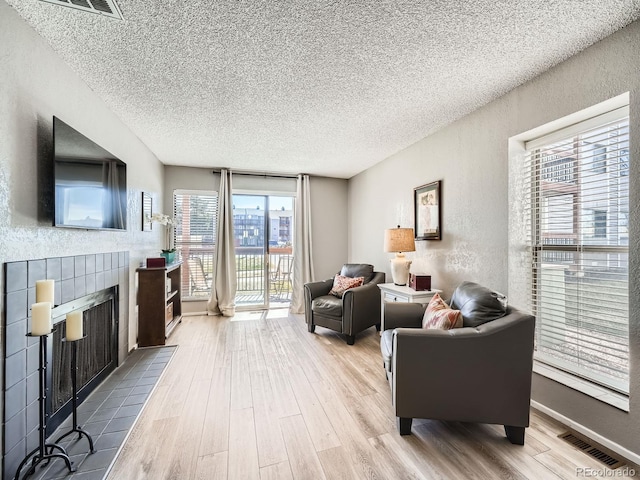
point(169, 256)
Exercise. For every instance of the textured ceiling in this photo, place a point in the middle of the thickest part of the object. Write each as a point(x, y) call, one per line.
point(327, 87)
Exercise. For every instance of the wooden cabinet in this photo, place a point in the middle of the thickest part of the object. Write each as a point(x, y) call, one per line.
point(159, 303)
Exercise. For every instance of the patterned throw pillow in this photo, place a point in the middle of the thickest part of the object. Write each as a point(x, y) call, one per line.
point(439, 315)
point(342, 283)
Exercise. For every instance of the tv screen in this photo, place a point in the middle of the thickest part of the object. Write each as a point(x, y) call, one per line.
point(90, 183)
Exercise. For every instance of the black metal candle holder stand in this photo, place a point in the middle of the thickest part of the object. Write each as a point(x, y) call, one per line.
point(44, 452)
point(74, 399)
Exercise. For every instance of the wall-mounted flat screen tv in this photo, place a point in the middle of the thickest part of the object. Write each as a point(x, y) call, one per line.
point(90, 183)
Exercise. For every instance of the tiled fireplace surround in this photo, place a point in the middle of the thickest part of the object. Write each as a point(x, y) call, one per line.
point(74, 277)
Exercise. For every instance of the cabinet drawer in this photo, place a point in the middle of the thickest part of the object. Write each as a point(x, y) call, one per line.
point(390, 297)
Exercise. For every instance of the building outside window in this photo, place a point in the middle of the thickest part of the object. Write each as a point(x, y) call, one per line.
point(249, 227)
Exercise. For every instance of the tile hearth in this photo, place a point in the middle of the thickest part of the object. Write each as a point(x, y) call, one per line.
point(108, 415)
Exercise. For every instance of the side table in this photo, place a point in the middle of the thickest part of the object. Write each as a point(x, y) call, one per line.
point(396, 293)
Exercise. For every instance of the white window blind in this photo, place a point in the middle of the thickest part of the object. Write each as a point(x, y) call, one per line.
point(578, 206)
point(194, 238)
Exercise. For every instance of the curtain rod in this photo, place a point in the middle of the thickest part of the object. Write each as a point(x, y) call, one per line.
point(257, 174)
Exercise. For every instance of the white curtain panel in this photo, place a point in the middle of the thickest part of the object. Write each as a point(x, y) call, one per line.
point(303, 252)
point(225, 281)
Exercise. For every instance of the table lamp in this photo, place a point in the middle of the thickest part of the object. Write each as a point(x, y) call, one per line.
point(399, 240)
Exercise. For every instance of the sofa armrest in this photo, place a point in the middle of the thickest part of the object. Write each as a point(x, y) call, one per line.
point(378, 277)
point(313, 290)
point(360, 308)
point(408, 315)
point(318, 289)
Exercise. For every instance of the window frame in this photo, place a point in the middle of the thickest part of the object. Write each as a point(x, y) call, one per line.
point(538, 219)
point(177, 243)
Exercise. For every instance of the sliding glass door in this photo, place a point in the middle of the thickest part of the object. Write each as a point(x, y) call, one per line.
point(263, 232)
point(280, 250)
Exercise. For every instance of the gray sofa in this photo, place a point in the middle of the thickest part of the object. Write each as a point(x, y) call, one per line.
point(357, 310)
point(478, 373)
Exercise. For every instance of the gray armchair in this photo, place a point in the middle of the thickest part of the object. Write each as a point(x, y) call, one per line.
point(357, 310)
point(472, 374)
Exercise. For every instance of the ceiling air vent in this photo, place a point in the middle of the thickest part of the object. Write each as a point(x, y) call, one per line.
point(102, 7)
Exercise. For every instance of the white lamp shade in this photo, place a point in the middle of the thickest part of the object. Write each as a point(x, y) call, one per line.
point(399, 240)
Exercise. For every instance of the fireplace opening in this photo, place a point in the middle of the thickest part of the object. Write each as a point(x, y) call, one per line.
point(97, 352)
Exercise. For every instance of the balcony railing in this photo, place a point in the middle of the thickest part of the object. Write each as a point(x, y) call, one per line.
point(250, 268)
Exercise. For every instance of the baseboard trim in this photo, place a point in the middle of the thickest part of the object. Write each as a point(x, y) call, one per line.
point(596, 437)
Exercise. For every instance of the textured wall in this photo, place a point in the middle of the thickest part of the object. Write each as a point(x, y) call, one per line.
point(473, 203)
point(35, 85)
point(471, 158)
point(328, 225)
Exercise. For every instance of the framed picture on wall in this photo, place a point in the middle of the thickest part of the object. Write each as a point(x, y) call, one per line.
point(147, 211)
point(427, 220)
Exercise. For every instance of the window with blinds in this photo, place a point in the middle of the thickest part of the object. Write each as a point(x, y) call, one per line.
point(578, 205)
point(194, 238)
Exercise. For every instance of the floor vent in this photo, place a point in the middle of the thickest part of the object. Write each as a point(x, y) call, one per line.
point(101, 7)
point(602, 455)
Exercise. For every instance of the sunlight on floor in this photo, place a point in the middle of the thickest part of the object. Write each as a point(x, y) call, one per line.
point(260, 314)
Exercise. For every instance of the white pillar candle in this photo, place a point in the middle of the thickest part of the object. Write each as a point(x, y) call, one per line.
point(41, 318)
point(74, 326)
point(44, 291)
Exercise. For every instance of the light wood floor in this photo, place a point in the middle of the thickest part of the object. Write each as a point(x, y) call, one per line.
point(258, 397)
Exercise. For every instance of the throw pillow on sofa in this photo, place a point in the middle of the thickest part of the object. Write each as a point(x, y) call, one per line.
point(439, 315)
point(478, 304)
point(342, 284)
